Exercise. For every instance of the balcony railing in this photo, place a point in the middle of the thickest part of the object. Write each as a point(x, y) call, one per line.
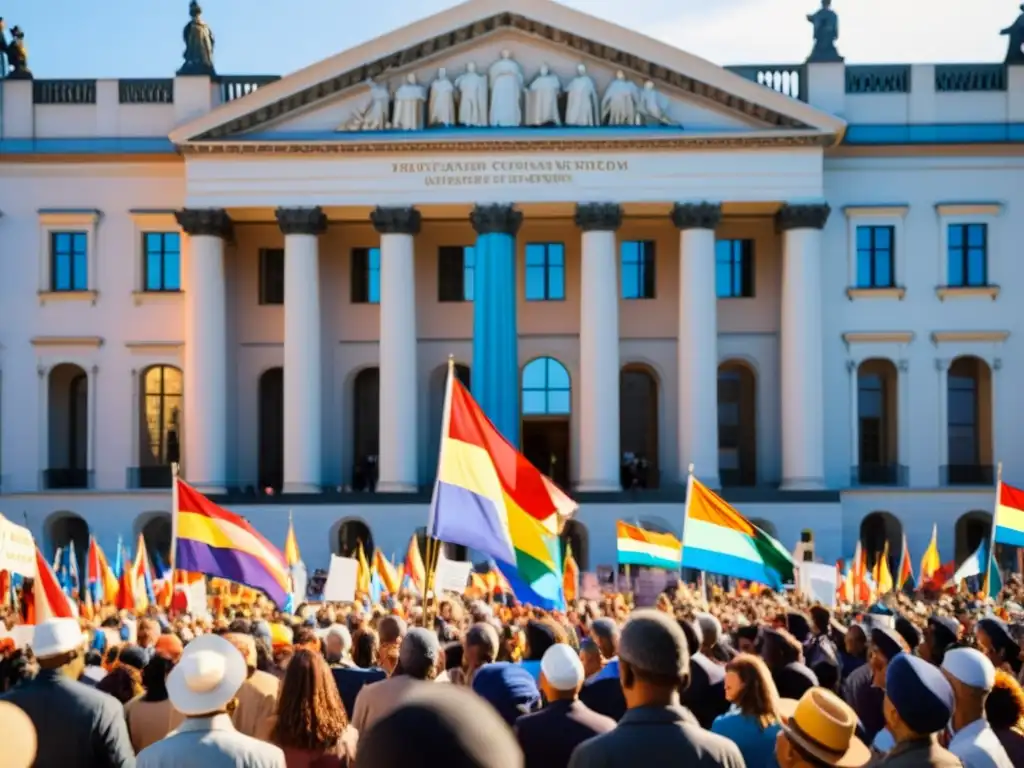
point(66, 479)
point(149, 477)
point(787, 79)
point(145, 91)
point(967, 474)
point(878, 78)
point(64, 92)
point(236, 86)
point(880, 474)
point(970, 77)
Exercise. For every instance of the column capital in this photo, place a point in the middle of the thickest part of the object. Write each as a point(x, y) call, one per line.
point(696, 215)
point(301, 221)
point(213, 222)
point(496, 219)
point(799, 216)
point(396, 221)
point(598, 217)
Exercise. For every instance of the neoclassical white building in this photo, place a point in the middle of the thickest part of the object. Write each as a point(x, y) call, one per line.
point(803, 280)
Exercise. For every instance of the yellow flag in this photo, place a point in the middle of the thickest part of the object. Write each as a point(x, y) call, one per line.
point(291, 545)
point(363, 573)
point(570, 575)
point(930, 561)
point(386, 573)
point(884, 578)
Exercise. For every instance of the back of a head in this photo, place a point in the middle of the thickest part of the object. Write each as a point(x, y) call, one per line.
point(419, 653)
point(606, 634)
point(710, 628)
point(1004, 707)
point(655, 648)
point(484, 637)
point(246, 645)
point(391, 629)
point(364, 647)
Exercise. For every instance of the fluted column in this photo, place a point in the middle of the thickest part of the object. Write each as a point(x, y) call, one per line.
point(398, 461)
point(495, 379)
point(303, 454)
point(802, 378)
point(206, 355)
point(698, 340)
point(599, 348)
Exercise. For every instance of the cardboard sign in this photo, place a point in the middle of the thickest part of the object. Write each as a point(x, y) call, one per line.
point(341, 580)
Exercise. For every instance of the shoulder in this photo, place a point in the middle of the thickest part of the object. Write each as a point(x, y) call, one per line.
point(713, 743)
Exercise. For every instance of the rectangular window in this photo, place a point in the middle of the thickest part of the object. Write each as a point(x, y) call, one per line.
point(637, 267)
point(455, 267)
point(734, 269)
point(271, 276)
point(968, 255)
point(69, 265)
point(366, 275)
point(162, 261)
point(545, 271)
point(875, 256)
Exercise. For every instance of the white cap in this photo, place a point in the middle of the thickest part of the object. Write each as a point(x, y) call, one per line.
point(207, 677)
point(562, 668)
point(56, 636)
point(971, 667)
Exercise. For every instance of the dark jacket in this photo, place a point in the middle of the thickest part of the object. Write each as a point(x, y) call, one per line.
point(605, 697)
point(794, 680)
point(705, 696)
point(925, 753)
point(548, 737)
point(866, 700)
point(350, 681)
point(655, 736)
point(75, 725)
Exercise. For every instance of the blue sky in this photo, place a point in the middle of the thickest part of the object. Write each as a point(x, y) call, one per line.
point(142, 38)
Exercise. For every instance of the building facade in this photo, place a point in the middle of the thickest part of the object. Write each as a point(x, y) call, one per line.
point(802, 281)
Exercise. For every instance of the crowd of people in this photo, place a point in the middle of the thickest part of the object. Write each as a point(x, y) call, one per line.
point(762, 680)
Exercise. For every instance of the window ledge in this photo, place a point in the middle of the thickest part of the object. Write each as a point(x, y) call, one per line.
point(90, 296)
point(967, 292)
point(876, 293)
point(156, 297)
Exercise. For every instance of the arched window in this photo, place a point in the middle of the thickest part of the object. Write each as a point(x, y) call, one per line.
point(546, 405)
point(65, 528)
point(737, 424)
point(969, 423)
point(877, 530)
point(159, 425)
point(365, 429)
point(68, 433)
point(574, 536)
point(638, 427)
point(351, 534)
point(271, 429)
point(546, 388)
point(877, 437)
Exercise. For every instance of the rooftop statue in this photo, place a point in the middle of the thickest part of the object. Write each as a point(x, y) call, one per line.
point(198, 44)
point(507, 85)
point(15, 52)
point(542, 99)
point(1015, 53)
point(582, 107)
point(826, 32)
point(621, 102)
point(441, 105)
point(472, 88)
point(410, 99)
point(376, 114)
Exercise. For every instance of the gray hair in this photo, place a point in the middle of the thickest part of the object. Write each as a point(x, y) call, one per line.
point(484, 636)
point(341, 632)
point(419, 653)
point(710, 628)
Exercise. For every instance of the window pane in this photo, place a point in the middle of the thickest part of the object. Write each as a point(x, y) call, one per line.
point(534, 376)
point(976, 234)
point(723, 279)
point(373, 288)
point(630, 281)
point(534, 402)
point(78, 242)
point(630, 252)
point(976, 267)
point(172, 242)
point(956, 266)
point(558, 403)
point(172, 271)
point(955, 234)
point(80, 272)
point(153, 271)
point(534, 283)
point(375, 258)
point(558, 376)
point(883, 269)
point(863, 237)
point(62, 272)
point(556, 254)
point(556, 282)
point(535, 254)
point(62, 242)
point(883, 237)
point(864, 269)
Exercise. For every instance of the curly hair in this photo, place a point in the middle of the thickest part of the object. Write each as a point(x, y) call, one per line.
point(124, 683)
point(1004, 707)
point(310, 714)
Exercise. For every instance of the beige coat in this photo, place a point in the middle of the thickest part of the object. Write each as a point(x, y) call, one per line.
point(380, 699)
point(257, 705)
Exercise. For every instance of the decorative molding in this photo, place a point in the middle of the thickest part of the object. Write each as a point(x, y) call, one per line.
point(876, 293)
point(942, 364)
point(696, 215)
point(952, 337)
point(153, 347)
point(48, 296)
point(967, 292)
point(876, 210)
point(156, 297)
point(496, 219)
point(301, 221)
point(396, 221)
point(598, 217)
point(93, 342)
point(878, 337)
point(145, 219)
point(69, 217)
point(212, 222)
point(903, 365)
point(802, 216)
point(968, 209)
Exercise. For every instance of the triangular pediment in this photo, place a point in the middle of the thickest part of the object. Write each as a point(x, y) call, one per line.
point(699, 96)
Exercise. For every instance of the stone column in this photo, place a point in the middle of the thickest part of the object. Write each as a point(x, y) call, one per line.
point(398, 461)
point(851, 370)
point(495, 379)
point(204, 457)
point(942, 369)
point(903, 421)
point(698, 340)
point(600, 460)
point(802, 377)
point(303, 375)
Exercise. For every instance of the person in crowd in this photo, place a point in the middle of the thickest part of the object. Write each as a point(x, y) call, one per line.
point(784, 656)
point(365, 648)
point(512, 643)
point(338, 646)
point(509, 688)
point(94, 671)
point(886, 644)
point(820, 732)
point(918, 704)
point(151, 716)
point(602, 692)
point(705, 695)
point(540, 635)
point(548, 737)
point(1004, 710)
point(479, 647)
point(391, 630)
point(590, 656)
point(351, 680)
point(747, 638)
point(124, 681)
point(203, 686)
point(310, 725)
point(821, 651)
point(417, 664)
point(18, 737)
point(753, 722)
point(75, 724)
point(146, 636)
point(854, 653)
point(909, 632)
point(940, 634)
point(996, 641)
point(18, 667)
point(654, 666)
point(257, 696)
point(711, 633)
point(972, 677)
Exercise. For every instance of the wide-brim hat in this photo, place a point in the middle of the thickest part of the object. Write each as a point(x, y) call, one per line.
point(824, 726)
point(207, 677)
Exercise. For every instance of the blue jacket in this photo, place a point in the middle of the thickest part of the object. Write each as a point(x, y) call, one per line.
point(756, 744)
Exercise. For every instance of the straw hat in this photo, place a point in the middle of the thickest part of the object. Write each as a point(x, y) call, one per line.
point(824, 726)
point(18, 735)
point(207, 677)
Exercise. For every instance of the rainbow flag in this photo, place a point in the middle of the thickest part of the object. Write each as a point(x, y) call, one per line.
point(718, 539)
point(490, 498)
point(645, 548)
point(215, 542)
point(1009, 518)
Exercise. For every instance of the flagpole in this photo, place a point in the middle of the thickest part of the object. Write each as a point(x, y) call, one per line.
point(174, 518)
point(992, 533)
point(686, 515)
point(434, 547)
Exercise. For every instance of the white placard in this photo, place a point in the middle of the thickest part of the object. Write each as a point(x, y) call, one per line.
point(452, 575)
point(17, 549)
point(818, 583)
point(341, 580)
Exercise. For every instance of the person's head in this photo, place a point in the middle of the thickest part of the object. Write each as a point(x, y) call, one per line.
point(207, 677)
point(972, 676)
point(886, 644)
point(747, 638)
point(561, 673)
point(246, 646)
point(654, 662)
point(820, 732)
point(365, 645)
point(856, 641)
point(918, 698)
point(124, 683)
point(940, 634)
point(779, 648)
point(1004, 707)
point(169, 646)
point(540, 635)
point(337, 644)
point(749, 686)
point(997, 642)
point(480, 646)
point(58, 645)
point(391, 630)
point(310, 714)
point(154, 677)
point(710, 630)
point(147, 633)
point(605, 633)
point(590, 657)
point(419, 654)
point(909, 632)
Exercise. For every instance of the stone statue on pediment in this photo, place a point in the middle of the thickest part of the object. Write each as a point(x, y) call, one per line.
point(1015, 51)
point(621, 102)
point(410, 100)
point(472, 90)
point(542, 99)
point(376, 114)
point(826, 32)
point(441, 106)
point(198, 44)
point(582, 108)
point(16, 54)
point(507, 82)
point(653, 107)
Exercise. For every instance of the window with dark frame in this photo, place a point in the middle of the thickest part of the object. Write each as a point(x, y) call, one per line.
point(734, 269)
point(162, 254)
point(967, 254)
point(876, 250)
point(271, 276)
point(69, 261)
point(636, 264)
point(545, 271)
point(871, 415)
point(455, 272)
point(366, 275)
point(962, 418)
